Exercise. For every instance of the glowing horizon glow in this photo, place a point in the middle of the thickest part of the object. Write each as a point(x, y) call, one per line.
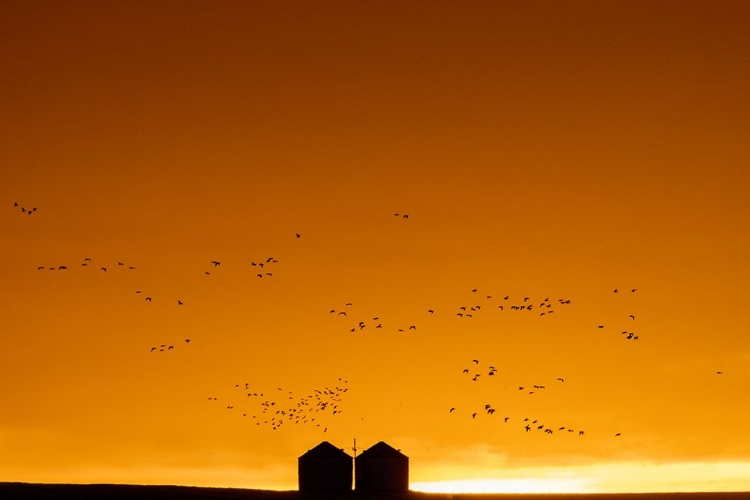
point(530, 485)
point(682, 477)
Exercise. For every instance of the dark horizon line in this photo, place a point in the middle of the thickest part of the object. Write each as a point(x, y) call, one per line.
point(119, 491)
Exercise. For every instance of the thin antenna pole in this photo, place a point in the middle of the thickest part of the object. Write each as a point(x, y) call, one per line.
point(354, 462)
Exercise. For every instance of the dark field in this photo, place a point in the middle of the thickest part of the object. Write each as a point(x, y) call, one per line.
point(13, 491)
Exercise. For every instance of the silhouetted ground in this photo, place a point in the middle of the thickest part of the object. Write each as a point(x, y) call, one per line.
point(18, 491)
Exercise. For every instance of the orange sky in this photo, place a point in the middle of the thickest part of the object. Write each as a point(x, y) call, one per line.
point(549, 150)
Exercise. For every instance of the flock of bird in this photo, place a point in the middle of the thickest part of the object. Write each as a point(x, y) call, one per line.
point(166, 347)
point(627, 334)
point(462, 311)
point(278, 408)
point(474, 373)
point(262, 264)
point(24, 210)
point(375, 322)
point(86, 263)
point(527, 423)
point(543, 306)
point(311, 409)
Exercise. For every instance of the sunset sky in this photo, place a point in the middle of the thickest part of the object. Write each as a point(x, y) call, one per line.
point(444, 197)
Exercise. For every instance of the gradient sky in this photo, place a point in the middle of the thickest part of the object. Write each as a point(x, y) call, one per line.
point(554, 151)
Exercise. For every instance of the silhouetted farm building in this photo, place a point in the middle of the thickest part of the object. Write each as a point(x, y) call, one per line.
point(325, 468)
point(381, 468)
